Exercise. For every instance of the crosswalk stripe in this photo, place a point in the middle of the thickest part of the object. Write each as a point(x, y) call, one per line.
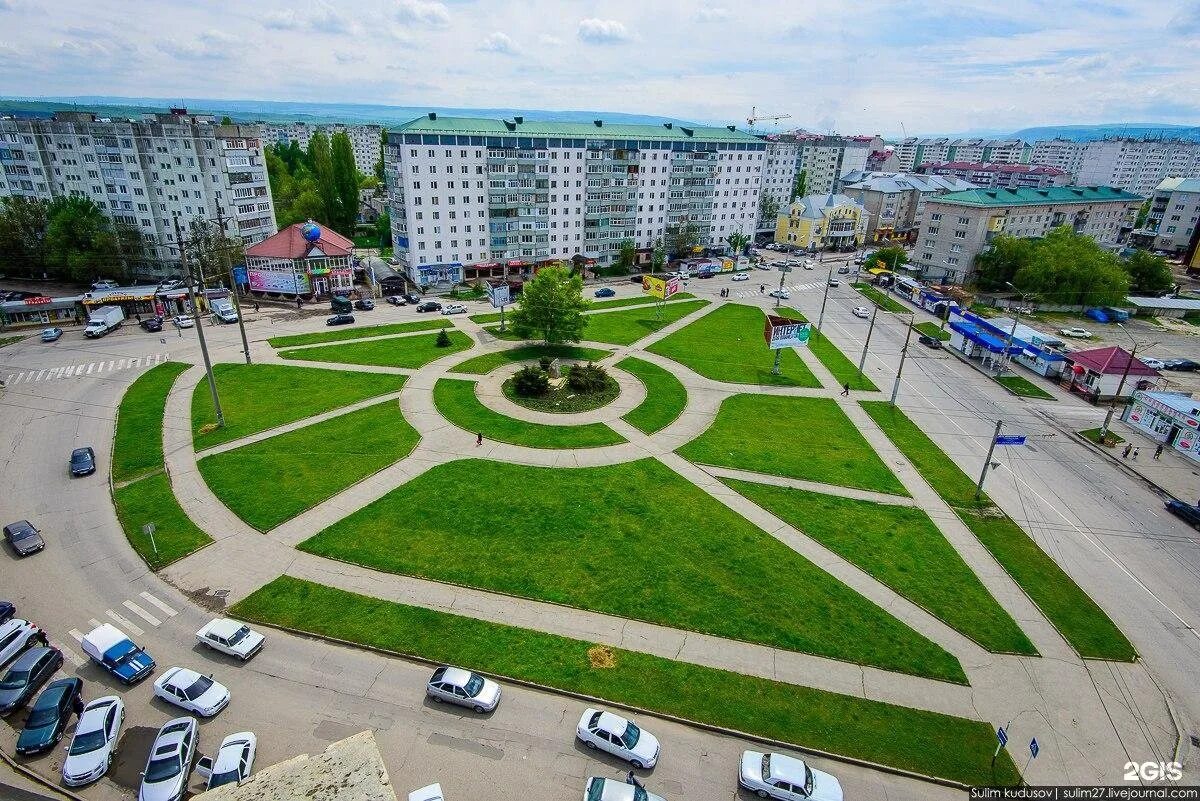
point(67, 372)
point(90, 366)
point(77, 635)
point(142, 613)
point(135, 362)
point(41, 374)
point(125, 624)
point(121, 365)
point(95, 624)
point(79, 370)
point(69, 653)
point(166, 610)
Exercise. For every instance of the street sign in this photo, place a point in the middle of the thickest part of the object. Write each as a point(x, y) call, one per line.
point(784, 332)
point(1002, 735)
point(1011, 439)
point(1033, 748)
point(499, 294)
point(240, 275)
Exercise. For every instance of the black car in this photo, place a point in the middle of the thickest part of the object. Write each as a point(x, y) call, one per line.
point(364, 304)
point(1182, 365)
point(429, 305)
point(1186, 511)
point(7, 610)
point(24, 538)
point(31, 670)
point(340, 319)
point(397, 300)
point(929, 342)
point(49, 716)
point(152, 324)
point(412, 297)
point(83, 461)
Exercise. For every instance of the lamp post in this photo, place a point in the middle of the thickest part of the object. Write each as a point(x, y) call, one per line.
point(903, 354)
point(237, 305)
point(1012, 332)
point(825, 297)
point(1112, 404)
point(863, 360)
point(187, 272)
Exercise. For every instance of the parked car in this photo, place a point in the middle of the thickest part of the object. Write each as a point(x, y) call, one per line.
point(49, 715)
point(152, 324)
point(412, 297)
point(83, 461)
point(834, 282)
point(861, 311)
point(105, 283)
point(364, 304)
point(929, 342)
point(108, 647)
point(183, 321)
point(787, 778)
point(1181, 365)
point(600, 789)
point(30, 671)
point(1185, 511)
point(166, 775)
point(51, 334)
point(782, 294)
point(462, 687)
point(762, 266)
point(187, 689)
point(605, 292)
point(1152, 363)
point(233, 762)
point(396, 300)
point(16, 635)
point(454, 308)
point(618, 736)
point(340, 319)
point(96, 734)
point(7, 610)
point(740, 277)
point(1078, 333)
point(231, 637)
point(431, 793)
point(429, 306)
point(24, 538)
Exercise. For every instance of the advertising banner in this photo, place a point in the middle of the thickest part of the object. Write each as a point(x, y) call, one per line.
point(660, 288)
point(499, 294)
point(784, 332)
point(268, 281)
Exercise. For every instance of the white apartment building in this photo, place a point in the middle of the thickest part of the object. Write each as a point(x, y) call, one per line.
point(145, 172)
point(1062, 154)
point(825, 159)
point(778, 178)
point(365, 140)
point(914, 151)
point(1137, 165)
point(1174, 215)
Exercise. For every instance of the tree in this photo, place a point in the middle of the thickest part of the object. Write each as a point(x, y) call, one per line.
point(1148, 274)
point(768, 207)
point(1142, 214)
point(682, 238)
point(345, 182)
point(890, 257)
point(551, 305)
point(588, 378)
point(320, 161)
point(530, 382)
point(658, 256)
point(999, 264)
point(212, 250)
point(383, 229)
point(80, 240)
point(227, 120)
point(800, 185)
point(626, 253)
point(738, 242)
point(379, 164)
point(23, 223)
point(443, 339)
point(1070, 268)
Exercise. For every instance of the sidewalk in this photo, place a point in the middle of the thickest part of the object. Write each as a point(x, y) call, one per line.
point(1171, 474)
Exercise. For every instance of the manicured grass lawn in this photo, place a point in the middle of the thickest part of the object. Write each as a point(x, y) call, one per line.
point(1024, 388)
point(665, 396)
point(10, 340)
point(727, 345)
point(1072, 611)
point(258, 397)
point(647, 545)
point(881, 299)
point(933, 744)
point(564, 400)
point(627, 327)
point(508, 333)
point(411, 352)
point(341, 334)
point(611, 303)
point(150, 500)
point(932, 330)
point(481, 365)
point(836, 362)
point(138, 446)
point(901, 547)
point(1094, 435)
point(455, 400)
point(275, 479)
point(805, 438)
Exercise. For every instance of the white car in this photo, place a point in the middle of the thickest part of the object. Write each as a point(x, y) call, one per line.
point(786, 778)
point(166, 775)
point(96, 733)
point(860, 311)
point(834, 282)
point(619, 737)
point(233, 762)
point(741, 277)
point(1152, 363)
point(462, 687)
point(231, 637)
point(1078, 333)
point(454, 308)
point(104, 284)
point(783, 294)
point(183, 321)
point(192, 691)
point(431, 793)
point(598, 789)
point(809, 264)
point(16, 635)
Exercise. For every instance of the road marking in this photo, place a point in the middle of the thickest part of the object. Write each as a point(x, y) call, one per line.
point(70, 654)
point(77, 635)
point(41, 374)
point(135, 362)
point(90, 366)
point(142, 613)
point(137, 630)
point(95, 624)
point(121, 365)
point(67, 372)
point(166, 610)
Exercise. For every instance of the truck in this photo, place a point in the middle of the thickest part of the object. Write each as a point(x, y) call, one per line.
point(102, 320)
point(223, 311)
point(109, 648)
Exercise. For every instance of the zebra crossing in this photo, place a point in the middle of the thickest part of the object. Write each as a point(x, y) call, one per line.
point(754, 293)
point(124, 622)
point(83, 370)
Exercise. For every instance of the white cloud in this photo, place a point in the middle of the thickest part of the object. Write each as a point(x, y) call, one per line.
point(550, 41)
point(211, 44)
point(423, 12)
point(282, 20)
point(320, 18)
point(712, 14)
point(343, 57)
point(602, 31)
point(499, 42)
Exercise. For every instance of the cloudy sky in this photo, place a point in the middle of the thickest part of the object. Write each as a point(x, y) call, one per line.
point(846, 65)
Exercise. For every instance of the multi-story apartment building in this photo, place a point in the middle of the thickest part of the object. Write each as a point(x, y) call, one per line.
point(1173, 216)
point(825, 159)
point(365, 140)
point(820, 222)
point(1062, 154)
point(471, 190)
point(778, 177)
point(914, 151)
point(1137, 165)
point(145, 173)
point(1003, 175)
point(895, 201)
point(959, 225)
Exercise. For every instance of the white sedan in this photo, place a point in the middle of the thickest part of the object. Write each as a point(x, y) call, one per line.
point(598, 789)
point(741, 277)
point(1152, 363)
point(462, 687)
point(782, 294)
point(183, 321)
point(861, 311)
point(192, 691)
point(786, 778)
point(431, 793)
point(231, 637)
point(454, 308)
point(1078, 333)
point(619, 737)
point(233, 762)
point(96, 734)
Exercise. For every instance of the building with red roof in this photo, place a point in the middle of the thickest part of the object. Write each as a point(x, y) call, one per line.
point(1100, 374)
point(1005, 176)
point(302, 259)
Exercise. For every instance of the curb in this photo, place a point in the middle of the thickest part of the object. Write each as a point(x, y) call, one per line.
point(39, 778)
point(1119, 463)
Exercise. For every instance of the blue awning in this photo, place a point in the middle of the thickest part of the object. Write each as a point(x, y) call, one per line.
point(985, 339)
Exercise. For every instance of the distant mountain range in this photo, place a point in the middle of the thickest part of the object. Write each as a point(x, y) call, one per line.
point(1086, 133)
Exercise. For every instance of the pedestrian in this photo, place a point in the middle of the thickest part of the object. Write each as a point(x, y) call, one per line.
point(299, 303)
point(256, 305)
point(631, 779)
point(1125, 453)
point(77, 705)
point(478, 439)
point(1158, 451)
point(846, 389)
point(1135, 453)
point(139, 318)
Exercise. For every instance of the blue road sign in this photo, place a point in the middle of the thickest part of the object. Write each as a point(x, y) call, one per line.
point(1010, 439)
point(1033, 748)
point(239, 274)
point(1002, 735)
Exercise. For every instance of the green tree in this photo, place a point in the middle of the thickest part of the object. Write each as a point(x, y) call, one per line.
point(658, 256)
point(320, 161)
point(1142, 214)
point(768, 208)
point(345, 181)
point(212, 251)
point(23, 224)
point(800, 185)
point(81, 242)
point(227, 120)
point(551, 306)
point(681, 239)
point(737, 242)
point(890, 257)
point(379, 163)
point(1000, 263)
point(626, 253)
point(1149, 274)
point(383, 229)
point(1072, 269)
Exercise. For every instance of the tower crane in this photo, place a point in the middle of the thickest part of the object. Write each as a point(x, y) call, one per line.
point(755, 117)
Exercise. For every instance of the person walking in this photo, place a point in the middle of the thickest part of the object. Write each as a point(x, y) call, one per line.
point(1158, 451)
point(846, 389)
point(1125, 453)
point(478, 439)
point(256, 305)
point(1135, 453)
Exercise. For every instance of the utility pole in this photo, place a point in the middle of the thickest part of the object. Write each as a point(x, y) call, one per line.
point(988, 460)
point(825, 299)
point(237, 305)
point(863, 360)
point(196, 315)
point(903, 353)
point(783, 271)
point(1112, 404)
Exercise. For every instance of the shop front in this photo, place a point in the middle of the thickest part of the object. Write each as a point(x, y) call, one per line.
point(32, 312)
point(1168, 417)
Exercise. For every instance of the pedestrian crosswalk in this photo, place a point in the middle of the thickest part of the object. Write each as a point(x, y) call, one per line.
point(93, 369)
point(755, 292)
point(123, 622)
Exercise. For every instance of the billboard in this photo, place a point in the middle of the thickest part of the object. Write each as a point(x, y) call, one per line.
point(660, 287)
point(784, 332)
point(499, 294)
point(271, 281)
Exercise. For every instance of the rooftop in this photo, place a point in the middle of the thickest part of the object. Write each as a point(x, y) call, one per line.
point(482, 126)
point(1185, 404)
point(813, 206)
point(291, 244)
point(903, 181)
point(1036, 169)
point(1110, 360)
point(1187, 304)
point(1028, 196)
point(1179, 185)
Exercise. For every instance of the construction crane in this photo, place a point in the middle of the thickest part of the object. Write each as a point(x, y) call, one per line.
point(755, 117)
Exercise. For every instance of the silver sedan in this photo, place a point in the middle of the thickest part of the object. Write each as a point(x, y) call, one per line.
point(457, 686)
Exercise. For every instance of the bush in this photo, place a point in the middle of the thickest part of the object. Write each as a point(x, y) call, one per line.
point(530, 382)
point(443, 339)
point(545, 362)
point(588, 378)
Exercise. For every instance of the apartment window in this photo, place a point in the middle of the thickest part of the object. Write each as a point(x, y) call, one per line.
point(963, 220)
point(952, 260)
point(960, 234)
point(933, 230)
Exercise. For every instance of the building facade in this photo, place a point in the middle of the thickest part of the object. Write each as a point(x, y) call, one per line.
point(778, 178)
point(1062, 154)
point(465, 191)
point(1170, 418)
point(825, 159)
point(820, 222)
point(145, 173)
point(365, 140)
point(1174, 214)
point(959, 225)
point(994, 175)
point(1137, 165)
point(913, 151)
point(895, 201)
point(293, 264)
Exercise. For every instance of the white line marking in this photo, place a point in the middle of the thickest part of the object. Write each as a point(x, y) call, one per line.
point(70, 655)
point(67, 372)
point(137, 630)
point(41, 374)
point(95, 624)
point(79, 370)
point(109, 366)
point(121, 365)
point(166, 610)
point(142, 613)
point(77, 635)
point(90, 366)
point(135, 362)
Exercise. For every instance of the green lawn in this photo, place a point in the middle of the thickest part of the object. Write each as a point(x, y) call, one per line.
point(275, 479)
point(665, 396)
point(258, 397)
point(150, 500)
point(1072, 611)
point(627, 327)
point(804, 438)
point(1026, 389)
point(646, 545)
point(728, 345)
point(481, 365)
point(1094, 435)
point(926, 742)
point(614, 303)
point(138, 446)
point(881, 299)
point(342, 334)
point(4, 341)
point(455, 399)
point(411, 352)
point(932, 330)
point(836, 362)
point(901, 547)
point(508, 333)
point(564, 399)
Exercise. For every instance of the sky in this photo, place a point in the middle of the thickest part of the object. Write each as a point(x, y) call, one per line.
point(851, 66)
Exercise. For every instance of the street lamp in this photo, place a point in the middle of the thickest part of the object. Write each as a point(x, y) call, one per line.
point(1013, 332)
